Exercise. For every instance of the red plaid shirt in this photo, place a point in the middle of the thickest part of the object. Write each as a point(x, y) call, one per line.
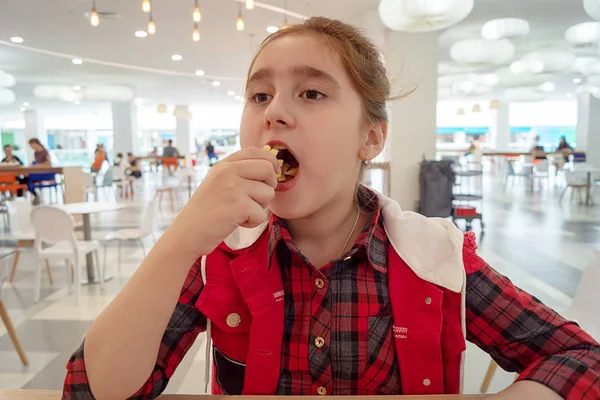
point(516, 329)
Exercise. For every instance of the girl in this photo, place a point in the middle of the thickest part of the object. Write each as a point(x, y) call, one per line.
point(337, 291)
point(41, 155)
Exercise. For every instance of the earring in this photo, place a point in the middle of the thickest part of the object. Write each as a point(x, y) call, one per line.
point(366, 160)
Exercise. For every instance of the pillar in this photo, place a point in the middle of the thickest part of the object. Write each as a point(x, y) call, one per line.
point(412, 60)
point(34, 127)
point(500, 128)
point(588, 128)
point(184, 132)
point(124, 117)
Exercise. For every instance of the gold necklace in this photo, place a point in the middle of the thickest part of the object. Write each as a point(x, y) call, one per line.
point(352, 231)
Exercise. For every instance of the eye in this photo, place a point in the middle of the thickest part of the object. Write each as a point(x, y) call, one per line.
point(312, 95)
point(260, 97)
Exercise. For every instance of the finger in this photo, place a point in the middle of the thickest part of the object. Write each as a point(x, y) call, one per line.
point(260, 192)
point(257, 170)
point(251, 153)
point(255, 215)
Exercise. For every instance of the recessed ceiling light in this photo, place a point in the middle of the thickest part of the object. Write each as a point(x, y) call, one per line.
point(77, 61)
point(231, 93)
point(199, 72)
point(17, 39)
point(577, 80)
point(547, 87)
point(141, 34)
point(176, 57)
point(272, 29)
point(26, 104)
point(216, 83)
point(77, 88)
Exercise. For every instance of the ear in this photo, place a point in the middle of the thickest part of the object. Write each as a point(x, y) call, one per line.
point(374, 141)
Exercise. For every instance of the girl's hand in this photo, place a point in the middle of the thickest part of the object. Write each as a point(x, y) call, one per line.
point(234, 193)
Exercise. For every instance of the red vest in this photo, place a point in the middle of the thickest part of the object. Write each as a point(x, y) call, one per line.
point(428, 334)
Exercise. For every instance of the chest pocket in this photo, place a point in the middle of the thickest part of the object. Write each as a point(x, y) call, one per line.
point(231, 321)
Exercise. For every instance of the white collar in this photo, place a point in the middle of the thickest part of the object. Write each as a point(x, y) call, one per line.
point(432, 247)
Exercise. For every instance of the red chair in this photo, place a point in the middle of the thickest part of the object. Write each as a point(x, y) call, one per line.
point(171, 162)
point(8, 183)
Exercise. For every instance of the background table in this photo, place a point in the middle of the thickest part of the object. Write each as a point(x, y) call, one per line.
point(85, 210)
point(50, 395)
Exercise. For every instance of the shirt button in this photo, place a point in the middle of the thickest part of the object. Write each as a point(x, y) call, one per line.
point(426, 382)
point(319, 283)
point(319, 342)
point(321, 391)
point(234, 320)
point(428, 300)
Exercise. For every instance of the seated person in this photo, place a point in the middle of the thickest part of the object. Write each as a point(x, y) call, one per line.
point(41, 155)
point(133, 169)
point(10, 158)
point(565, 148)
point(100, 158)
point(537, 150)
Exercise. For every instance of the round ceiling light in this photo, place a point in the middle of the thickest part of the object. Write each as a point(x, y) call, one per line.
point(481, 53)
point(272, 29)
point(7, 80)
point(77, 61)
point(547, 87)
point(176, 57)
point(7, 96)
point(141, 34)
point(592, 7)
point(423, 16)
point(216, 83)
point(584, 33)
point(17, 39)
point(549, 61)
point(504, 28)
point(199, 72)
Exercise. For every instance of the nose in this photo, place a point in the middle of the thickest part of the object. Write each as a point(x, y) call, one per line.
point(278, 114)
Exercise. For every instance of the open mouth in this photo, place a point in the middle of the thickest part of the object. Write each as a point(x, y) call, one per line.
point(288, 163)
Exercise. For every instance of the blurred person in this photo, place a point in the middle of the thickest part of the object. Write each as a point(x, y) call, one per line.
point(210, 153)
point(40, 155)
point(565, 148)
point(169, 151)
point(335, 290)
point(537, 150)
point(9, 157)
point(133, 169)
point(100, 158)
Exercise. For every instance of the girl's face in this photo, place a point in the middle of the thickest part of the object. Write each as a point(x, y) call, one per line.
point(35, 146)
point(299, 95)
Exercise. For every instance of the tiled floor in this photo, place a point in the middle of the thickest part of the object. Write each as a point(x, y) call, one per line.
point(541, 245)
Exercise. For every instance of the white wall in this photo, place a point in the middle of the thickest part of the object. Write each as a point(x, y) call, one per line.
point(547, 113)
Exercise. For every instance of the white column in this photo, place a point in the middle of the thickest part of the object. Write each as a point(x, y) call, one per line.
point(184, 133)
point(588, 128)
point(500, 128)
point(34, 129)
point(411, 60)
point(124, 117)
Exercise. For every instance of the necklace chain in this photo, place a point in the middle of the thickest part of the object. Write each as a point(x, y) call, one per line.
point(352, 231)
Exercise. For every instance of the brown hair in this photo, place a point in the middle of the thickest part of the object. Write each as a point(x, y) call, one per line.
point(359, 54)
point(36, 141)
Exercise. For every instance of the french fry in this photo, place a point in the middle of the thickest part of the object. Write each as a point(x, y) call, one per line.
point(267, 148)
point(292, 172)
point(280, 178)
point(280, 162)
point(274, 152)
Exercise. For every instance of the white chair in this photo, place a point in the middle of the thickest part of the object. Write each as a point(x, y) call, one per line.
point(55, 227)
point(583, 309)
point(10, 328)
point(541, 170)
point(22, 232)
point(134, 234)
point(577, 182)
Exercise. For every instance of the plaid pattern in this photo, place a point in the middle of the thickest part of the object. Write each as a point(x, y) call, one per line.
point(525, 336)
point(352, 314)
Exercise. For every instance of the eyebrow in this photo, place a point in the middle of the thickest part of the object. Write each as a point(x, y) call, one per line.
point(299, 70)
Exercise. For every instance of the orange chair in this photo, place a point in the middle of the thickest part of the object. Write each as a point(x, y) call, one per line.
point(8, 183)
point(171, 162)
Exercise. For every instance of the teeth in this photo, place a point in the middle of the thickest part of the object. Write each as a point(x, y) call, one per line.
point(279, 146)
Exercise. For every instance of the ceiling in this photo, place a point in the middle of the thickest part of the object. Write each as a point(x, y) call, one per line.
point(59, 26)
